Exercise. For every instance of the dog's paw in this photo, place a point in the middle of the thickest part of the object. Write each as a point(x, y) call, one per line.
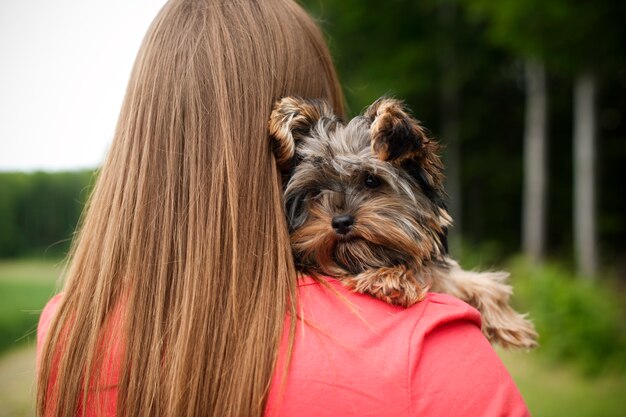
point(393, 285)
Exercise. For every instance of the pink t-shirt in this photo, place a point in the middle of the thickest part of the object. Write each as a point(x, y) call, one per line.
point(357, 356)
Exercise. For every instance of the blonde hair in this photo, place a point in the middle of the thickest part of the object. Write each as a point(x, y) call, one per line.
point(185, 224)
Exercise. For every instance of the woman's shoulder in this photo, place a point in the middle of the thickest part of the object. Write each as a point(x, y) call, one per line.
point(328, 294)
point(45, 319)
point(441, 308)
point(47, 313)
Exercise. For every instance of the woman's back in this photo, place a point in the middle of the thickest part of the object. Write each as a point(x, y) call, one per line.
point(356, 356)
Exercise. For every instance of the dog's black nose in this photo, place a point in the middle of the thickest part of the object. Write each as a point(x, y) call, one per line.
point(342, 224)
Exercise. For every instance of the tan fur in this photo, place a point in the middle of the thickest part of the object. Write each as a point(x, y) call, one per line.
point(385, 115)
point(289, 116)
point(394, 285)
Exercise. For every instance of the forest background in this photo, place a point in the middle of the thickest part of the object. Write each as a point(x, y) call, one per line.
point(528, 98)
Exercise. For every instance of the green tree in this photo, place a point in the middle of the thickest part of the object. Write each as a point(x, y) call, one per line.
point(579, 39)
point(39, 211)
point(429, 54)
point(12, 186)
point(521, 27)
point(592, 48)
point(462, 70)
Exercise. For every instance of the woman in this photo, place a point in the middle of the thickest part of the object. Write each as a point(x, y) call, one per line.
point(181, 282)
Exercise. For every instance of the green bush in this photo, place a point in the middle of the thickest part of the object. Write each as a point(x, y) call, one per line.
point(577, 319)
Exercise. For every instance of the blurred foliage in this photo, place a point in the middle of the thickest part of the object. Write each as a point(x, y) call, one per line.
point(39, 211)
point(577, 319)
point(569, 35)
point(403, 49)
point(398, 48)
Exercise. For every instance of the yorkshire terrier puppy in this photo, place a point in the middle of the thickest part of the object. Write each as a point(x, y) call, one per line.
point(365, 203)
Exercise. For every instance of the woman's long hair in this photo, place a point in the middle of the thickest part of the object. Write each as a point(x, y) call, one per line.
point(183, 251)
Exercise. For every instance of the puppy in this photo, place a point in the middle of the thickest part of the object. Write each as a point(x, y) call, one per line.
point(365, 203)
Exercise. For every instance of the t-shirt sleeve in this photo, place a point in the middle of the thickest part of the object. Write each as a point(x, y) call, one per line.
point(44, 322)
point(455, 371)
point(102, 399)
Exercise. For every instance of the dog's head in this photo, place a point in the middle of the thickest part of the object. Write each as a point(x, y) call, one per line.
point(361, 195)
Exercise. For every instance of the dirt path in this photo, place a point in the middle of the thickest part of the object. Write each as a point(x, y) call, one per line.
point(17, 386)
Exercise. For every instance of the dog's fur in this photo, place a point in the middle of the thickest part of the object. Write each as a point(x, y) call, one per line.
point(365, 203)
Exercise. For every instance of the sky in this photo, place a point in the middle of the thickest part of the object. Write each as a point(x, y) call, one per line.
point(64, 67)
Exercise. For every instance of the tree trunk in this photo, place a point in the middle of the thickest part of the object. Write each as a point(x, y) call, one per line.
point(449, 109)
point(584, 174)
point(535, 177)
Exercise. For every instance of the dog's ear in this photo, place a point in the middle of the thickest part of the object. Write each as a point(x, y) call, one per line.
point(293, 118)
point(399, 138)
point(396, 136)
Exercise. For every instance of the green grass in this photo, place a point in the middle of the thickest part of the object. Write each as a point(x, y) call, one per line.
point(25, 287)
point(555, 390)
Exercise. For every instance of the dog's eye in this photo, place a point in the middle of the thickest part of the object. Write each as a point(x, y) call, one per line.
point(372, 181)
